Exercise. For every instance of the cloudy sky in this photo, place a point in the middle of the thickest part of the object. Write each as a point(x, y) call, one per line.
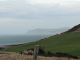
point(19, 16)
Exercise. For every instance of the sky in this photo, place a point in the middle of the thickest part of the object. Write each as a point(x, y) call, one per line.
point(19, 16)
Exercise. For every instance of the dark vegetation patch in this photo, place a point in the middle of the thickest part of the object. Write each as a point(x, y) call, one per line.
point(60, 54)
point(41, 51)
point(50, 54)
point(1, 48)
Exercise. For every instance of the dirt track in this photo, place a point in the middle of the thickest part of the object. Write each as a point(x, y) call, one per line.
point(17, 56)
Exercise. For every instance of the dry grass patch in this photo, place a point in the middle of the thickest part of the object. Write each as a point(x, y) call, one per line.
point(17, 56)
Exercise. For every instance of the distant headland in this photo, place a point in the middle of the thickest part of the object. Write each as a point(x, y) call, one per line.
point(47, 31)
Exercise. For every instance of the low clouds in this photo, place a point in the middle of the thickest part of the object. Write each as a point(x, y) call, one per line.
point(24, 15)
point(19, 26)
point(23, 9)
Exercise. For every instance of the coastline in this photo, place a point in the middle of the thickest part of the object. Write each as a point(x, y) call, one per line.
point(16, 40)
point(14, 45)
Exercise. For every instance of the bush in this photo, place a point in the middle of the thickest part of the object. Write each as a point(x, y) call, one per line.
point(60, 54)
point(50, 54)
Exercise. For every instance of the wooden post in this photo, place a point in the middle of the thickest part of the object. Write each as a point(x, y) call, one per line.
point(36, 50)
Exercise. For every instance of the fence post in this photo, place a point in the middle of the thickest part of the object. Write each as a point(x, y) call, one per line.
point(36, 50)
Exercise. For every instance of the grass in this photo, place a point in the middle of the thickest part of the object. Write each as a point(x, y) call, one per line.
point(68, 43)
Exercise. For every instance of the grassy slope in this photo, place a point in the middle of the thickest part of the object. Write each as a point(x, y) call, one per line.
point(68, 43)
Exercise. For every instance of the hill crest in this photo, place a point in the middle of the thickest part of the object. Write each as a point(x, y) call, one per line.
point(74, 29)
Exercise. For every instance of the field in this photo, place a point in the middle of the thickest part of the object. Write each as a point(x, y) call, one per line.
point(65, 43)
point(17, 56)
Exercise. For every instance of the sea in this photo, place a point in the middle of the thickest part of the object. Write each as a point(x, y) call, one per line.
point(6, 40)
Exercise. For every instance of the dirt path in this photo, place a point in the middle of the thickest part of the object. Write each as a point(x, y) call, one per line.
point(17, 56)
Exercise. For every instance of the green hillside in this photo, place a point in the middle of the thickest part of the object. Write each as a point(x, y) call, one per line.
point(66, 43)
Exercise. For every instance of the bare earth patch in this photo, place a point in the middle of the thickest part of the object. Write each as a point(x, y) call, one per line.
point(17, 56)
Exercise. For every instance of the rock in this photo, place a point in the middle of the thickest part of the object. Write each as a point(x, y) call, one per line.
point(25, 52)
point(29, 52)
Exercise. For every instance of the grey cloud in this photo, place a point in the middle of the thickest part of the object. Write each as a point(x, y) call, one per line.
point(20, 9)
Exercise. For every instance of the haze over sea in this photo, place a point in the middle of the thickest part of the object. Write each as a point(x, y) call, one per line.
point(19, 39)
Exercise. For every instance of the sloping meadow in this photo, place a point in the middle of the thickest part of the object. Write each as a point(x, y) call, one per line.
point(66, 43)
